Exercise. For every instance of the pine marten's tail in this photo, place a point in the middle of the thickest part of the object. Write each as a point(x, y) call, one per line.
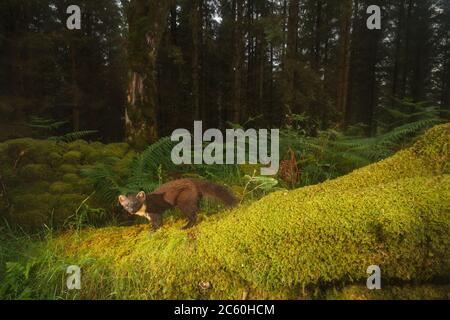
point(213, 190)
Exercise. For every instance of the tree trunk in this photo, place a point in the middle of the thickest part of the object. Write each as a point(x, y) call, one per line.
point(398, 45)
point(173, 23)
point(147, 21)
point(317, 37)
point(406, 50)
point(204, 40)
point(251, 62)
point(237, 60)
point(291, 57)
point(445, 77)
point(75, 92)
point(344, 61)
point(195, 17)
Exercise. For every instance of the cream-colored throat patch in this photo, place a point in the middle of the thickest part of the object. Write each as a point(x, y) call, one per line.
point(142, 211)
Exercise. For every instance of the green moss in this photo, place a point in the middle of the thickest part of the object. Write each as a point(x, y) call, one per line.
point(38, 173)
point(17, 145)
point(3, 147)
point(122, 166)
point(69, 168)
point(72, 200)
point(116, 150)
point(290, 244)
point(30, 150)
point(297, 239)
point(78, 184)
point(43, 201)
point(55, 159)
point(60, 187)
point(72, 157)
point(71, 178)
point(90, 152)
point(303, 243)
point(389, 292)
point(79, 145)
point(40, 186)
point(435, 146)
point(10, 176)
point(417, 161)
point(32, 172)
point(30, 219)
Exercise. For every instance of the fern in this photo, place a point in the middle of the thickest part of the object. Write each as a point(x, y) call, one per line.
point(48, 127)
point(104, 180)
point(43, 124)
point(142, 172)
point(144, 168)
point(72, 136)
point(333, 153)
point(328, 155)
point(148, 170)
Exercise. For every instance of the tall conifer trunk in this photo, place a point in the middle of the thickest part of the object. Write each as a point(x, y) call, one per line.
point(238, 8)
point(344, 60)
point(147, 21)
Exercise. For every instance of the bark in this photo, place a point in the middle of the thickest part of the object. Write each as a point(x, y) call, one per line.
point(445, 80)
point(318, 33)
point(398, 46)
point(292, 29)
point(75, 93)
point(147, 21)
point(251, 62)
point(344, 61)
point(237, 60)
point(291, 56)
point(195, 17)
point(406, 49)
point(173, 23)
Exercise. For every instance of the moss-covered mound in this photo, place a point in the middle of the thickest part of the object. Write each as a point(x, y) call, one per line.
point(41, 182)
point(314, 242)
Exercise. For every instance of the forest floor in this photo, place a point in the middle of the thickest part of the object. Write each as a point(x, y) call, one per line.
point(314, 242)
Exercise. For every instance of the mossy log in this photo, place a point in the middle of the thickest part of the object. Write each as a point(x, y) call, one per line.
point(41, 179)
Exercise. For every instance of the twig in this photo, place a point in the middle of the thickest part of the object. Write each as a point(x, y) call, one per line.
point(244, 193)
point(4, 192)
point(83, 202)
point(21, 154)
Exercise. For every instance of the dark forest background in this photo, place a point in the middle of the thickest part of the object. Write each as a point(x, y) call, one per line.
point(139, 69)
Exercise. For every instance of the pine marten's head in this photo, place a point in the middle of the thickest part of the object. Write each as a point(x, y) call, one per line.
point(134, 204)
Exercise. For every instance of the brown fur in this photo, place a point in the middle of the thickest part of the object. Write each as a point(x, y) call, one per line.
point(184, 194)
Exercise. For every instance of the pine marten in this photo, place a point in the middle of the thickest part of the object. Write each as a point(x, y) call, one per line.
point(184, 194)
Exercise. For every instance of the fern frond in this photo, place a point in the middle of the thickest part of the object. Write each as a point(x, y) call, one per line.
point(144, 168)
point(104, 180)
point(72, 136)
point(45, 124)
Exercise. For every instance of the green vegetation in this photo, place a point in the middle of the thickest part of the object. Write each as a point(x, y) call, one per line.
point(41, 179)
point(333, 153)
point(359, 182)
point(312, 242)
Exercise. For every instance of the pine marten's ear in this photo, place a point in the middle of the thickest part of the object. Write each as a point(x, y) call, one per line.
point(122, 199)
point(141, 196)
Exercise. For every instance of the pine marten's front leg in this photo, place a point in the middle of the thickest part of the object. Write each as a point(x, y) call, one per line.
point(156, 220)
